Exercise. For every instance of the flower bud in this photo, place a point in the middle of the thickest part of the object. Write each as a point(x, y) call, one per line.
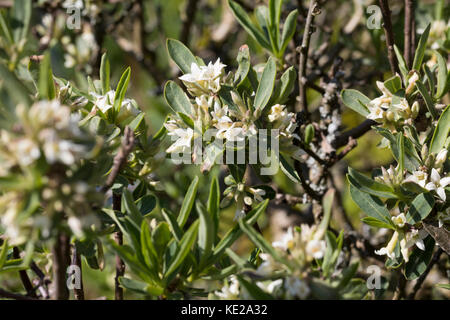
point(390, 116)
point(309, 133)
point(441, 157)
point(424, 152)
point(415, 108)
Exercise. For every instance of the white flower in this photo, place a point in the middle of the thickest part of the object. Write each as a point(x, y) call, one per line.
point(441, 157)
point(419, 177)
point(267, 267)
point(203, 79)
point(104, 102)
point(235, 134)
point(286, 242)
point(389, 249)
point(78, 4)
point(27, 151)
point(271, 286)
point(184, 138)
point(76, 226)
point(399, 220)
point(127, 110)
point(229, 291)
point(296, 287)
point(438, 184)
point(412, 82)
point(258, 194)
point(277, 112)
point(316, 248)
point(415, 237)
point(59, 150)
point(444, 217)
point(375, 112)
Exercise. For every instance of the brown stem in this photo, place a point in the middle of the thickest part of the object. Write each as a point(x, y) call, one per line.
point(422, 278)
point(61, 261)
point(304, 48)
point(120, 158)
point(389, 33)
point(191, 7)
point(76, 260)
point(14, 296)
point(354, 133)
point(118, 237)
point(408, 33)
point(24, 276)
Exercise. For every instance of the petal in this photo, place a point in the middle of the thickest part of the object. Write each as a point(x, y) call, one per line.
point(430, 186)
point(445, 182)
point(441, 192)
point(420, 244)
point(435, 177)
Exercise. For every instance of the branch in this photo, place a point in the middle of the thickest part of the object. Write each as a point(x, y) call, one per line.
point(354, 133)
point(14, 296)
point(120, 265)
point(386, 12)
point(61, 261)
point(76, 260)
point(312, 12)
point(120, 158)
point(409, 17)
point(421, 279)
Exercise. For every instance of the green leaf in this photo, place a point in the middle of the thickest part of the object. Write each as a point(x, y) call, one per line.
point(214, 202)
point(368, 185)
point(5, 30)
point(243, 18)
point(327, 204)
point(287, 169)
point(420, 51)
point(419, 260)
point(443, 286)
point(181, 55)
point(140, 287)
point(428, 99)
point(3, 253)
point(177, 100)
point(185, 245)
point(255, 292)
point(161, 237)
point(220, 274)
point(233, 234)
point(438, 142)
point(243, 60)
point(173, 224)
point(347, 274)
point(371, 205)
point(393, 84)
point(332, 252)
point(146, 204)
point(148, 250)
point(356, 101)
point(206, 234)
point(401, 63)
point(130, 207)
point(266, 84)
point(420, 208)
point(442, 75)
point(258, 239)
point(46, 84)
point(188, 202)
point(290, 25)
point(21, 16)
point(105, 73)
point(374, 222)
point(121, 89)
point(17, 90)
point(284, 86)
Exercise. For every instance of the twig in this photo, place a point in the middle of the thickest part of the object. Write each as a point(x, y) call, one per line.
point(76, 260)
point(422, 278)
point(120, 158)
point(120, 265)
point(24, 276)
point(61, 261)
point(312, 12)
point(10, 295)
point(354, 133)
point(386, 12)
point(189, 18)
point(409, 16)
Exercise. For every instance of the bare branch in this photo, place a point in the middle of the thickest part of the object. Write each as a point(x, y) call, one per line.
point(386, 12)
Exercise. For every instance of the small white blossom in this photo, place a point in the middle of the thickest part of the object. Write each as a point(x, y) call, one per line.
point(438, 184)
point(415, 237)
point(203, 79)
point(296, 288)
point(27, 151)
point(287, 242)
point(316, 248)
point(389, 249)
point(229, 291)
point(419, 177)
point(184, 138)
point(399, 220)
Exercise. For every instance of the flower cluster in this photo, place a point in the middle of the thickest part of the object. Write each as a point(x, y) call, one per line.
point(45, 150)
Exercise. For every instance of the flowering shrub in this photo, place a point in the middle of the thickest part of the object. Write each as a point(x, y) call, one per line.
point(181, 193)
